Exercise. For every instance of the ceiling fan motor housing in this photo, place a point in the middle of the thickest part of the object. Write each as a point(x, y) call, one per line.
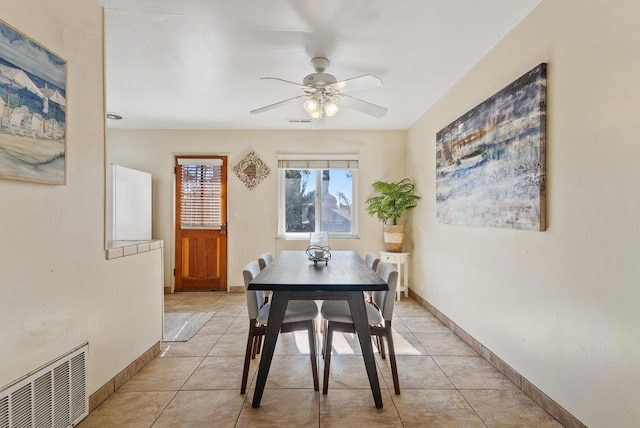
point(318, 80)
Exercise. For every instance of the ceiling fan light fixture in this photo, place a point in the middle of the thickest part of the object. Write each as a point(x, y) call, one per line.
point(317, 114)
point(311, 105)
point(330, 108)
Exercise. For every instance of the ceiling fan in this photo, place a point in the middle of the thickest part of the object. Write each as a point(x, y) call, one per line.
point(324, 95)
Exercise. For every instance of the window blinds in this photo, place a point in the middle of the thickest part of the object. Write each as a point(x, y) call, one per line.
point(197, 161)
point(201, 188)
point(318, 163)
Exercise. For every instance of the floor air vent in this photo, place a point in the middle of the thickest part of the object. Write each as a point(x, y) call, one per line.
point(54, 396)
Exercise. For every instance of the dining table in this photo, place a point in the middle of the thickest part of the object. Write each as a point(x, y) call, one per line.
point(295, 275)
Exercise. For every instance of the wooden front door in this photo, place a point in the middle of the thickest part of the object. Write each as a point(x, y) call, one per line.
point(201, 223)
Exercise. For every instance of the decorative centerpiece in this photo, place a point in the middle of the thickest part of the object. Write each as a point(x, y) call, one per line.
point(318, 249)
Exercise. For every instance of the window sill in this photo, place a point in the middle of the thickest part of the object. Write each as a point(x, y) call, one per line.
point(117, 249)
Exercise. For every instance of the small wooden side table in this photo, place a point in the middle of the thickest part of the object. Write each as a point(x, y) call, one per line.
point(401, 260)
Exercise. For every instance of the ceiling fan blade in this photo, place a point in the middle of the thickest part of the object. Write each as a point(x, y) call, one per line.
point(299, 85)
point(362, 106)
point(366, 81)
point(276, 105)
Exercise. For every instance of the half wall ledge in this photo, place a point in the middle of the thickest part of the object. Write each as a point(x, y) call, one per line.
point(116, 249)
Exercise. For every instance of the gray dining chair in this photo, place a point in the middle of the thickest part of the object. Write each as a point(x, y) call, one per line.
point(300, 315)
point(265, 259)
point(372, 260)
point(337, 317)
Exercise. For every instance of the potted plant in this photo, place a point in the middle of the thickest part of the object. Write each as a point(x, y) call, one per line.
point(391, 201)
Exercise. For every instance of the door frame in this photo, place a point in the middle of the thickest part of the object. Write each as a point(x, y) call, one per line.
point(174, 213)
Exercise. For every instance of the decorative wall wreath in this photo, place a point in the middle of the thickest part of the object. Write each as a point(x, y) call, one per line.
point(251, 170)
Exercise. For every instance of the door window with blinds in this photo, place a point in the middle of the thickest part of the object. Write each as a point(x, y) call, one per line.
point(201, 193)
point(317, 194)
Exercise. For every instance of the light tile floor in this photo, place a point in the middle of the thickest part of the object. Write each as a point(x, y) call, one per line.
point(443, 381)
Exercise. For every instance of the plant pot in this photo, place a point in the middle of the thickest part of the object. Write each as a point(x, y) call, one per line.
point(394, 237)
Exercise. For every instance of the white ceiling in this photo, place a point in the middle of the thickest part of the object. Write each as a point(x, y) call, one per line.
point(196, 64)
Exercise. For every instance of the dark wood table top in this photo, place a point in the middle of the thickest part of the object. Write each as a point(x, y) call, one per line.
point(293, 271)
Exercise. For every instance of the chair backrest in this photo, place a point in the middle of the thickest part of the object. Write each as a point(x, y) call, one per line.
point(386, 299)
point(264, 260)
point(371, 260)
point(255, 299)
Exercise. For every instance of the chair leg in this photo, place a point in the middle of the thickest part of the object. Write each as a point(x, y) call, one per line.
point(254, 347)
point(324, 336)
point(247, 360)
point(312, 353)
point(259, 344)
point(382, 354)
point(378, 344)
point(327, 356)
point(392, 358)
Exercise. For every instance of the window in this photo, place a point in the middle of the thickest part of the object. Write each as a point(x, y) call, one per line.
point(200, 193)
point(317, 195)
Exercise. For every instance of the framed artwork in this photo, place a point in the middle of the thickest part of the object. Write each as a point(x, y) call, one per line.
point(33, 83)
point(490, 163)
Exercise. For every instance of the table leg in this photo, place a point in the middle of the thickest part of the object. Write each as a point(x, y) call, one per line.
point(359, 315)
point(279, 301)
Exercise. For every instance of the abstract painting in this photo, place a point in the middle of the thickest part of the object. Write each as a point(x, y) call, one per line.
point(490, 163)
point(32, 110)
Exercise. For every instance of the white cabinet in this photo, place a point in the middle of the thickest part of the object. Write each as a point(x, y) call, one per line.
point(401, 262)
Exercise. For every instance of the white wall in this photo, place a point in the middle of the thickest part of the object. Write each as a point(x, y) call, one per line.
point(561, 306)
point(253, 213)
point(57, 289)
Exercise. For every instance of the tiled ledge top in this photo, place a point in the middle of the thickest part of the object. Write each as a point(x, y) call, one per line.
point(128, 248)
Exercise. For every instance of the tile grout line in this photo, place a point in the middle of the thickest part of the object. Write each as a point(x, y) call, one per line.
point(458, 391)
point(164, 408)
